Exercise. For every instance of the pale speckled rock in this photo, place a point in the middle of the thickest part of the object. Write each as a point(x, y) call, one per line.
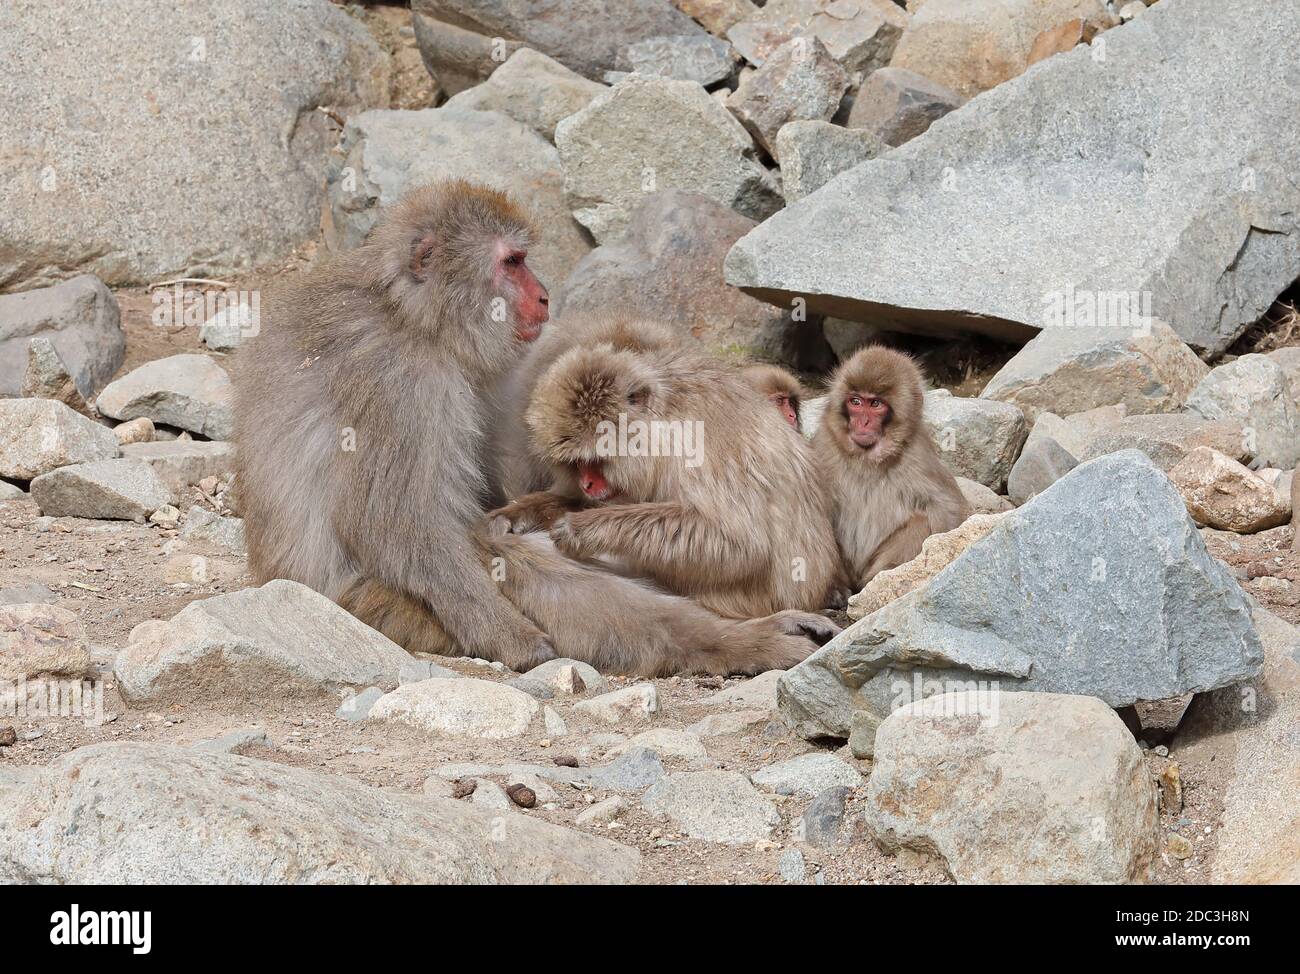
point(1040, 464)
point(904, 240)
point(1116, 597)
point(602, 812)
point(192, 392)
point(383, 154)
point(814, 152)
point(895, 105)
point(937, 552)
point(48, 378)
point(1289, 360)
point(11, 492)
point(42, 640)
point(228, 327)
point(860, 34)
point(265, 822)
point(1074, 432)
point(630, 703)
point(977, 438)
point(357, 706)
point(532, 89)
point(236, 742)
point(549, 671)
point(798, 81)
point(758, 691)
point(1253, 391)
point(79, 318)
point(716, 16)
point(1166, 438)
point(221, 136)
point(1036, 788)
point(716, 806)
point(1070, 370)
point(731, 722)
point(203, 525)
point(1221, 493)
point(138, 430)
point(807, 775)
point(280, 640)
point(459, 708)
point(651, 134)
point(667, 743)
point(182, 463)
point(697, 57)
point(123, 489)
point(40, 435)
point(974, 45)
point(981, 499)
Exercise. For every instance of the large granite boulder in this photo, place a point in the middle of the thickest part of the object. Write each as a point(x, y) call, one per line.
point(1196, 224)
point(80, 318)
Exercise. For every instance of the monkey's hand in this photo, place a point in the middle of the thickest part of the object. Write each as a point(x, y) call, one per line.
point(534, 512)
point(567, 535)
point(523, 650)
point(815, 627)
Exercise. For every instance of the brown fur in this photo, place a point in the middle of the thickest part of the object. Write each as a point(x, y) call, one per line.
point(746, 533)
point(773, 381)
point(889, 499)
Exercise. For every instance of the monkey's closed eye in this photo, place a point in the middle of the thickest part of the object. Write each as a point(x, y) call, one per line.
point(515, 259)
point(638, 397)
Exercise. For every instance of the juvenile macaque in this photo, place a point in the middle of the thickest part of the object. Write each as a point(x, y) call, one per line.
point(669, 465)
point(889, 487)
point(780, 388)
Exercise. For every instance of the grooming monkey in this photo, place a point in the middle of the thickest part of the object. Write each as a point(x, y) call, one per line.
point(363, 465)
point(741, 525)
point(889, 488)
point(781, 388)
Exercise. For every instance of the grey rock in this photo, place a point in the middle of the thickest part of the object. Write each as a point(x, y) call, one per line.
point(667, 266)
point(716, 806)
point(862, 734)
point(126, 490)
point(382, 154)
point(537, 689)
point(1000, 183)
point(458, 708)
point(1015, 788)
point(532, 89)
point(357, 707)
point(1253, 391)
point(895, 105)
point(203, 525)
point(458, 58)
point(1073, 369)
point(666, 742)
point(268, 823)
point(977, 438)
point(1289, 359)
point(757, 692)
point(1041, 464)
point(228, 328)
point(414, 670)
point(281, 640)
point(181, 464)
point(820, 824)
point(221, 136)
point(236, 742)
point(191, 392)
point(791, 866)
point(79, 317)
point(860, 34)
point(1074, 432)
point(981, 499)
point(548, 672)
point(630, 703)
point(40, 435)
point(1166, 438)
point(554, 723)
point(490, 795)
point(730, 722)
point(651, 134)
point(635, 770)
point(41, 640)
point(812, 153)
point(798, 81)
point(47, 377)
point(26, 592)
point(808, 775)
point(11, 492)
point(1114, 596)
point(695, 57)
point(584, 35)
point(601, 812)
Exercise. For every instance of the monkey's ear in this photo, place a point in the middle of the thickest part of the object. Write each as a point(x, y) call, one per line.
point(421, 251)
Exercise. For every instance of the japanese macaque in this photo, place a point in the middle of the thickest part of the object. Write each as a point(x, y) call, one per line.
point(781, 388)
point(669, 465)
point(889, 488)
point(364, 471)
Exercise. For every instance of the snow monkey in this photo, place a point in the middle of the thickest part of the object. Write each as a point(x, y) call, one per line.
point(889, 487)
point(781, 388)
point(669, 465)
point(361, 424)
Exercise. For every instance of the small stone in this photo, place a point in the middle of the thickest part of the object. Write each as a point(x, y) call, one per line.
point(862, 736)
point(667, 743)
point(191, 392)
point(555, 725)
point(166, 516)
point(820, 824)
point(630, 703)
point(490, 795)
point(48, 378)
point(1041, 464)
point(463, 787)
point(458, 708)
point(716, 806)
point(808, 775)
point(236, 742)
point(565, 761)
point(635, 770)
point(1179, 847)
point(551, 672)
point(602, 812)
point(42, 640)
point(896, 105)
point(357, 707)
point(760, 691)
point(791, 866)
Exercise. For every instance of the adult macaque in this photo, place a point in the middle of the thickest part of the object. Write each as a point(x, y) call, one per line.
point(780, 388)
point(669, 465)
point(359, 422)
point(889, 487)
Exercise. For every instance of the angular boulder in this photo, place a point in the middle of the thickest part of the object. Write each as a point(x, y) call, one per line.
point(1040, 464)
point(977, 438)
point(40, 435)
point(695, 57)
point(38, 640)
point(123, 490)
point(183, 463)
point(1014, 788)
point(860, 34)
point(896, 105)
point(1223, 494)
point(1101, 585)
point(905, 241)
point(458, 708)
point(651, 134)
point(532, 89)
point(812, 153)
point(192, 392)
point(79, 317)
point(1164, 437)
point(799, 81)
point(279, 640)
point(134, 813)
point(1254, 391)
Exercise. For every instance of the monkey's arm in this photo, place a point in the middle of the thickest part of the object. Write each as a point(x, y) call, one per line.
point(661, 539)
point(536, 511)
point(900, 547)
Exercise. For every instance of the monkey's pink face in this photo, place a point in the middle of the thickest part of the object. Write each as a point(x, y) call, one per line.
point(867, 416)
point(530, 300)
point(788, 407)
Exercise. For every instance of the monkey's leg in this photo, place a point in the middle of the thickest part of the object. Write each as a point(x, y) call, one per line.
point(900, 547)
point(402, 618)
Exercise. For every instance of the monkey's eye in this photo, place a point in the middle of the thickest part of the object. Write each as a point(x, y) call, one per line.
point(855, 401)
point(875, 403)
point(515, 259)
point(638, 397)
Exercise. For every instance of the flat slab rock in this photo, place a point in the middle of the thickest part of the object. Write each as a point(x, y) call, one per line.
point(143, 813)
point(40, 435)
point(122, 489)
point(716, 806)
point(1100, 585)
point(281, 639)
point(191, 392)
point(458, 708)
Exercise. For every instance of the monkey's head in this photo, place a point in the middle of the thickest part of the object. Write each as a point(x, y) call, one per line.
point(781, 388)
point(874, 405)
point(451, 259)
point(584, 410)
